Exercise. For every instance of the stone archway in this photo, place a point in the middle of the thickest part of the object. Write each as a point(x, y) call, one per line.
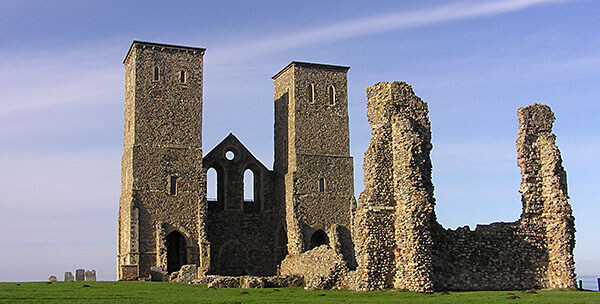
point(176, 251)
point(318, 238)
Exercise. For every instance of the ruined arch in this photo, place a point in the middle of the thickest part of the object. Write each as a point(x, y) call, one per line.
point(318, 238)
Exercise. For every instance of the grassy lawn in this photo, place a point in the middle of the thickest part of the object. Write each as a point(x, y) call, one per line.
point(152, 292)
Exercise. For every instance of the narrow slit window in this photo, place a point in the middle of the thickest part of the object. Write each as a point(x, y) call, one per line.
point(173, 185)
point(321, 185)
point(182, 76)
point(249, 186)
point(311, 93)
point(331, 95)
point(212, 193)
point(156, 70)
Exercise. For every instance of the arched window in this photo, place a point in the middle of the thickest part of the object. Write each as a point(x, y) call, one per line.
point(155, 77)
point(249, 186)
point(310, 91)
point(318, 238)
point(182, 76)
point(331, 95)
point(212, 194)
point(321, 184)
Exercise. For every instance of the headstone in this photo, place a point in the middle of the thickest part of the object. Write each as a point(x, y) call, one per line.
point(69, 277)
point(156, 274)
point(90, 275)
point(52, 279)
point(79, 275)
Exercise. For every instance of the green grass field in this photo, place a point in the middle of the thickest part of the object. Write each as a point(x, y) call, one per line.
point(152, 292)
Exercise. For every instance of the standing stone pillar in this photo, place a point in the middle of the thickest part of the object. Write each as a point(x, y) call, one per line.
point(396, 209)
point(546, 210)
point(374, 217)
point(413, 189)
point(90, 275)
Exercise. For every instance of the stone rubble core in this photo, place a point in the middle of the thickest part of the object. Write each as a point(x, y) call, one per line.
point(303, 220)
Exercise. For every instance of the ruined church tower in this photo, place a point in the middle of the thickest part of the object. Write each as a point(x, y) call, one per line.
point(162, 180)
point(313, 166)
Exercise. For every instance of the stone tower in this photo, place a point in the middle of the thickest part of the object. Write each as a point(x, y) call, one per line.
point(313, 166)
point(161, 208)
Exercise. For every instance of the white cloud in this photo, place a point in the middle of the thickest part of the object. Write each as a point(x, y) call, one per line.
point(374, 25)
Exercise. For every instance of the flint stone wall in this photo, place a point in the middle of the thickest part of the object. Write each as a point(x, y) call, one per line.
point(397, 204)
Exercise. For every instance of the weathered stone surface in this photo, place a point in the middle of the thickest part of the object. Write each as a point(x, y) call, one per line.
point(90, 275)
point(225, 282)
point(79, 274)
point(69, 276)
point(321, 267)
point(52, 278)
point(128, 273)
point(156, 274)
point(187, 274)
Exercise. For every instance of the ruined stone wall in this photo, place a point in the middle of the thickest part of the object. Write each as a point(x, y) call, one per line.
point(163, 128)
point(242, 234)
point(544, 195)
point(396, 234)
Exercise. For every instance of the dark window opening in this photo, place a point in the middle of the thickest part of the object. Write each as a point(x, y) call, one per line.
point(331, 95)
point(173, 185)
point(311, 93)
point(156, 70)
point(182, 76)
point(318, 238)
point(321, 185)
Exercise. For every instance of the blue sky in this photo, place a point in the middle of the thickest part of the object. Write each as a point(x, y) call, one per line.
point(474, 62)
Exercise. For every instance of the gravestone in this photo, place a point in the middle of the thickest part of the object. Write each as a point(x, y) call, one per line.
point(156, 274)
point(52, 279)
point(79, 275)
point(69, 277)
point(90, 275)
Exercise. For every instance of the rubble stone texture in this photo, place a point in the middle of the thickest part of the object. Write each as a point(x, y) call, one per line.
point(162, 153)
point(69, 277)
point(303, 221)
point(313, 167)
point(90, 275)
point(397, 204)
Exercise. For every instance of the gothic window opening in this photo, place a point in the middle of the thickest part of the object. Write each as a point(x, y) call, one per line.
point(156, 70)
point(311, 93)
point(249, 186)
point(211, 185)
point(173, 181)
point(321, 184)
point(331, 95)
point(182, 76)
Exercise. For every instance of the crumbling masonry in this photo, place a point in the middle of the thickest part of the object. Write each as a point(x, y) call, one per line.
point(303, 219)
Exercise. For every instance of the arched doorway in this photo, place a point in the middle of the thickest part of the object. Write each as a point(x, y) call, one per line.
point(318, 238)
point(176, 251)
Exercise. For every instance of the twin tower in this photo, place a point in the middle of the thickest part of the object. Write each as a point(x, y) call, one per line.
point(165, 219)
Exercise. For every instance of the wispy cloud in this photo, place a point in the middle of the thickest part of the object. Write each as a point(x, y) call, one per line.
point(375, 24)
